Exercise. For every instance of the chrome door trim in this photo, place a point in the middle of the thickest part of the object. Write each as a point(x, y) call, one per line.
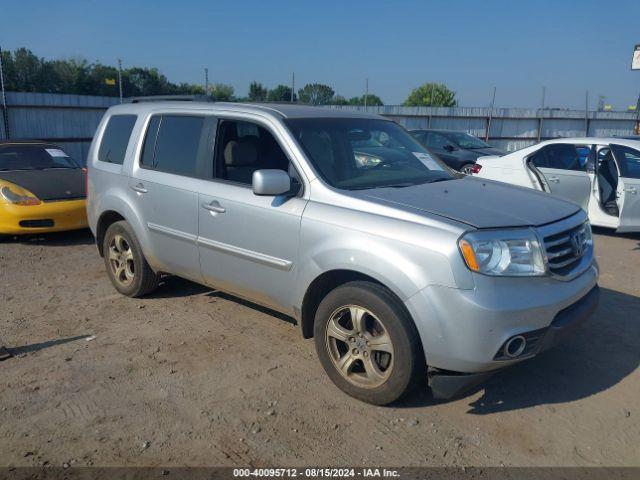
point(172, 232)
point(275, 262)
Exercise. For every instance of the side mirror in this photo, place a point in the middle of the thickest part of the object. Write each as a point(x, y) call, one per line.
point(449, 148)
point(270, 182)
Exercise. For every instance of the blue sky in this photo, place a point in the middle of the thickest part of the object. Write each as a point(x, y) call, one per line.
point(567, 46)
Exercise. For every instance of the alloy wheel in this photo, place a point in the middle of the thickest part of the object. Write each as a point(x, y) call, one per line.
point(121, 260)
point(360, 346)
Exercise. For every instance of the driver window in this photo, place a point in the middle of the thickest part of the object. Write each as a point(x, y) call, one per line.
point(628, 161)
point(244, 147)
point(435, 140)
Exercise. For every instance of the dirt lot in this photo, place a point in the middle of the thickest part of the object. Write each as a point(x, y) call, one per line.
point(190, 376)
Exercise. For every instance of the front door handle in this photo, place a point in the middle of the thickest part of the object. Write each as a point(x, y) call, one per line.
point(554, 179)
point(139, 188)
point(214, 207)
point(631, 190)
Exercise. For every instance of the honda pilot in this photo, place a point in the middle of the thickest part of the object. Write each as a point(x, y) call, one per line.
point(402, 271)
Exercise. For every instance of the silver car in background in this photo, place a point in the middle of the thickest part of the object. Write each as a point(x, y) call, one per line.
point(400, 269)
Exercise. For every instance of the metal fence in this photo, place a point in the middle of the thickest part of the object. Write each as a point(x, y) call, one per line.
point(68, 120)
point(71, 120)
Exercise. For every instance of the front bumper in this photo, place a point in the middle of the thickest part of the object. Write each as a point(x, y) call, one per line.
point(44, 218)
point(464, 330)
point(445, 384)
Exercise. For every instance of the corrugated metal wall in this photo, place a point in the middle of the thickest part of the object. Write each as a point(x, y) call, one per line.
point(71, 120)
point(68, 120)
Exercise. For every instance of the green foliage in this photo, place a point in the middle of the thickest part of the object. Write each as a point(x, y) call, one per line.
point(316, 94)
point(431, 95)
point(221, 92)
point(26, 72)
point(339, 100)
point(281, 93)
point(372, 100)
point(257, 93)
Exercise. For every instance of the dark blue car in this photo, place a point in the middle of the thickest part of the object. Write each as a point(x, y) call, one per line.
point(459, 150)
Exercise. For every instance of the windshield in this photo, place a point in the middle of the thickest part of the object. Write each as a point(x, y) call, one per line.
point(355, 154)
point(34, 157)
point(464, 140)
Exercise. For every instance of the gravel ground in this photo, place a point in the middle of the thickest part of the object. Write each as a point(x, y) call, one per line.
point(191, 376)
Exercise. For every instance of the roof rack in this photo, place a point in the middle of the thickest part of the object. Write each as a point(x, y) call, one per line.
point(172, 98)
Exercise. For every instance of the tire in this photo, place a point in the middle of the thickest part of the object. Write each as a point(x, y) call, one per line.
point(126, 266)
point(466, 168)
point(383, 359)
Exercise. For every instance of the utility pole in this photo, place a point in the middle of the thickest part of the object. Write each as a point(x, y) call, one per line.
point(544, 91)
point(493, 101)
point(366, 91)
point(206, 81)
point(120, 77)
point(293, 86)
point(5, 112)
point(586, 114)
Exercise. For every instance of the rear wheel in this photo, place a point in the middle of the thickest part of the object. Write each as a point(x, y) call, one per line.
point(367, 343)
point(467, 169)
point(126, 266)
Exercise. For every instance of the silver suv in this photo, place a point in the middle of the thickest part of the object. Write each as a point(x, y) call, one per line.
point(400, 269)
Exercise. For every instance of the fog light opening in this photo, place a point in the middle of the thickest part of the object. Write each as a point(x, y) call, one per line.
point(515, 346)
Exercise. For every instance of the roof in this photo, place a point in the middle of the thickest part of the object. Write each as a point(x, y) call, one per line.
point(635, 143)
point(279, 110)
point(437, 130)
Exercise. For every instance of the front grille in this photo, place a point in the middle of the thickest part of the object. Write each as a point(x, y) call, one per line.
point(564, 250)
point(44, 223)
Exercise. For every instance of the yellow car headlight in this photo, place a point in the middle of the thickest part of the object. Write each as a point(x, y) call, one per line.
point(18, 196)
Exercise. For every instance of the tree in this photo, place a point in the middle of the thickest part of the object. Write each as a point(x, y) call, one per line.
point(257, 93)
point(281, 93)
point(316, 94)
point(372, 100)
point(221, 92)
point(339, 100)
point(431, 95)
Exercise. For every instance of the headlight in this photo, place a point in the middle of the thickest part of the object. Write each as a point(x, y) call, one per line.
point(503, 252)
point(19, 197)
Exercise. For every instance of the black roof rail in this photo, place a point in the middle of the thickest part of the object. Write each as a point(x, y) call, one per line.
point(172, 98)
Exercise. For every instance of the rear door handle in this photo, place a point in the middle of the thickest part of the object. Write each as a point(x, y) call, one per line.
point(214, 207)
point(139, 188)
point(631, 190)
point(554, 179)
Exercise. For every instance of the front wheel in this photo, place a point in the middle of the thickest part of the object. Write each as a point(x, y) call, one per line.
point(126, 266)
point(467, 169)
point(368, 344)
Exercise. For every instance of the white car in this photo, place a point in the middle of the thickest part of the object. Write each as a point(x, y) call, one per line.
point(602, 175)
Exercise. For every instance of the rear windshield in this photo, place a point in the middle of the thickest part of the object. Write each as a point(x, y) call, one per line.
point(34, 157)
point(357, 154)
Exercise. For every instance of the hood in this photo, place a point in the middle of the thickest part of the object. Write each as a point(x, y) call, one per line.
point(476, 202)
point(50, 184)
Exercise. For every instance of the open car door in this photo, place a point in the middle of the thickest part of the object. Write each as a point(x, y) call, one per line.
point(562, 171)
point(628, 195)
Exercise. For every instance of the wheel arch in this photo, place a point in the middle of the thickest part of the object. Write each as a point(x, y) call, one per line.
point(325, 283)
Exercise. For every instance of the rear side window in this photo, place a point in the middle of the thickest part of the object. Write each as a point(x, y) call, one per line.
point(560, 156)
point(116, 138)
point(179, 144)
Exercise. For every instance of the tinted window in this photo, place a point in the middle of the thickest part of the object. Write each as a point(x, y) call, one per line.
point(435, 140)
point(558, 156)
point(116, 138)
point(628, 161)
point(178, 144)
point(354, 154)
point(244, 147)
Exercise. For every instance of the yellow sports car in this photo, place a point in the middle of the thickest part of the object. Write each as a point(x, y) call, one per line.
point(41, 189)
